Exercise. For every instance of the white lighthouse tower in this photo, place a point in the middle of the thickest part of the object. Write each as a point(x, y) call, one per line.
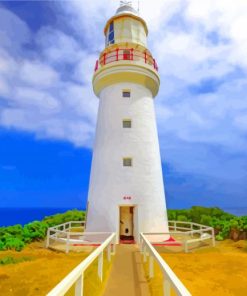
point(126, 193)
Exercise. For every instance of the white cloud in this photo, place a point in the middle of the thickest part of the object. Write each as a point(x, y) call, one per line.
point(201, 49)
point(38, 74)
point(12, 28)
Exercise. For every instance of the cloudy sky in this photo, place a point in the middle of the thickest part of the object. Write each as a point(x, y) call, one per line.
point(48, 110)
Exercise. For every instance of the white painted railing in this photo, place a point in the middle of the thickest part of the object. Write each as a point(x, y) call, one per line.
point(170, 280)
point(191, 229)
point(66, 236)
point(76, 276)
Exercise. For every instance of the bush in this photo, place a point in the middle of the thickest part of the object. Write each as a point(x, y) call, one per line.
point(35, 231)
point(223, 223)
point(15, 237)
point(218, 237)
point(13, 243)
point(12, 260)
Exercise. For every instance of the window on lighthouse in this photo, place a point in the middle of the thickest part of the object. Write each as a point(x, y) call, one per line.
point(126, 94)
point(111, 34)
point(127, 123)
point(127, 162)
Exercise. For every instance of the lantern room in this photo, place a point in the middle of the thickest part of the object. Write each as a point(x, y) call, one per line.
point(126, 27)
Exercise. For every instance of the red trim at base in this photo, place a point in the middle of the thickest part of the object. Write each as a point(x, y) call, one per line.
point(171, 239)
point(87, 245)
point(127, 242)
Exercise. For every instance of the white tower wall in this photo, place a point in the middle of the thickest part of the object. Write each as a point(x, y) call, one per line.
point(110, 181)
point(126, 199)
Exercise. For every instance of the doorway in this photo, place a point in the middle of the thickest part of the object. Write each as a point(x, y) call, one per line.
point(126, 223)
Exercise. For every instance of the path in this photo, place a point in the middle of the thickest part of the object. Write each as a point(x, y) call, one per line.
point(127, 273)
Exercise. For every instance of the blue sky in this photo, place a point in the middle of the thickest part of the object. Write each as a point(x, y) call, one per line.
point(48, 110)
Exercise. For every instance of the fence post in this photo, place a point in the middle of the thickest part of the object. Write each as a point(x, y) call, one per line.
point(151, 266)
point(109, 252)
point(185, 247)
point(100, 266)
point(145, 253)
point(167, 287)
point(67, 243)
point(175, 225)
point(48, 238)
point(213, 238)
point(114, 246)
point(79, 286)
point(142, 244)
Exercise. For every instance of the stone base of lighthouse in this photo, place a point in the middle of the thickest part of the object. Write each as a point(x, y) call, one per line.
point(126, 199)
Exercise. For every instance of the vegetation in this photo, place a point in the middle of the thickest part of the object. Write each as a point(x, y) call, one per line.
point(226, 225)
point(12, 260)
point(17, 236)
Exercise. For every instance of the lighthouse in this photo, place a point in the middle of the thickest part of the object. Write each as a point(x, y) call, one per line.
point(126, 191)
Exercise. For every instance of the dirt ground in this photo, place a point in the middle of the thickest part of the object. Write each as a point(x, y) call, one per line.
point(208, 271)
point(38, 276)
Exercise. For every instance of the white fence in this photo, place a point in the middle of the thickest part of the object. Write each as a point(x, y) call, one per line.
point(66, 235)
point(170, 280)
point(76, 276)
point(191, 229)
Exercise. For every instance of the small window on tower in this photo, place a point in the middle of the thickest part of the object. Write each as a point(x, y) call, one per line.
point(127, 123)
point(126, 93)
point(127, 161)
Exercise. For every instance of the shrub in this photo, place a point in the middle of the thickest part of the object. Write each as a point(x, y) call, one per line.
point(35, 231)
point(13, 243)
point(219, 237)
point(2, 246)
point(12, 260)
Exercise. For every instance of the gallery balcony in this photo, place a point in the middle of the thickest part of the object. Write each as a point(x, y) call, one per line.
point(129, 55)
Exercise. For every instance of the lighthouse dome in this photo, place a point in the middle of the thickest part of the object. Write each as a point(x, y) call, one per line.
point(126, 8)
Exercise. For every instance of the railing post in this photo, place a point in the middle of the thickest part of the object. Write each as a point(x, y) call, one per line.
point(79, 286)
point(131, 55)
point(167, 287)
point(145, 57)
point(48, 238)
point(67, 242)
point(213, 238)
point(142, 244)
point(175, 225)
point(109, 252)
point(151, 266)
point(96, 66)
point(117, 50)
point(113, 243)
point(104, 58)
point(100, 266)
point(145, 253)
point(185, 247)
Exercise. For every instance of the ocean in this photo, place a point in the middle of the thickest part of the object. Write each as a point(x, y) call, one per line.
point(12, 216)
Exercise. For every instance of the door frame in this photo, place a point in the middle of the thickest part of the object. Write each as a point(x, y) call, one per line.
point(134, 206)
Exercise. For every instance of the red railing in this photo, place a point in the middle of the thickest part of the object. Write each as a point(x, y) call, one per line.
point(125, 54)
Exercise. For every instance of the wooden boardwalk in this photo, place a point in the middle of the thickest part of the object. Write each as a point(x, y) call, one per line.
point(127, 273)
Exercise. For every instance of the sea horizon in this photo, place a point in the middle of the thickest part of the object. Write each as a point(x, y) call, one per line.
point(12, 215)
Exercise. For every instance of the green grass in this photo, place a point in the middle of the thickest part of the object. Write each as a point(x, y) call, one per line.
point(11, 260)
